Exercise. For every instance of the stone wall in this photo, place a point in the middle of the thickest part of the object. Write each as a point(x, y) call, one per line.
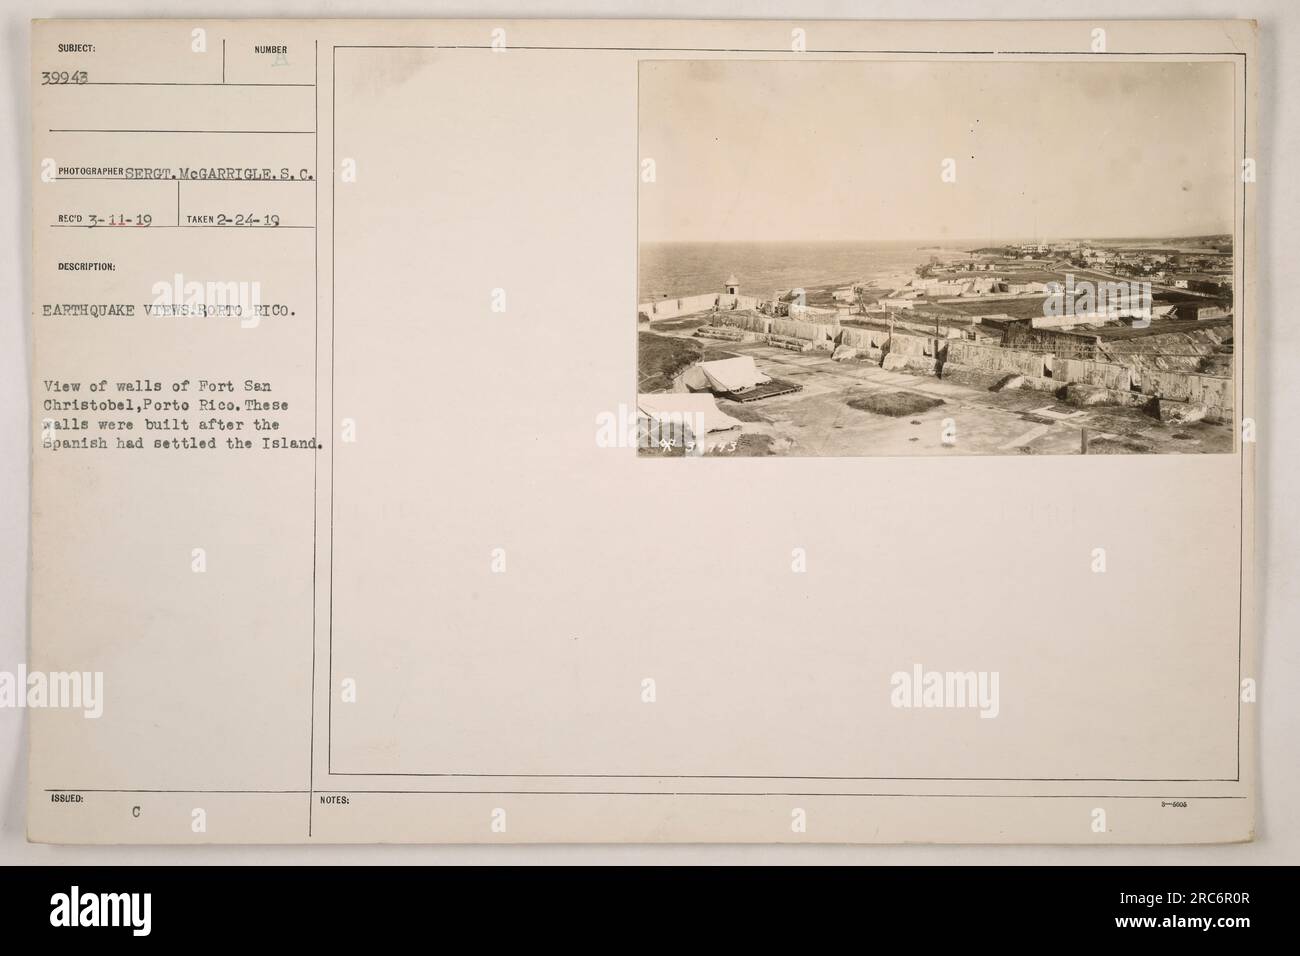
point(1019, 335)
point(864, 338)
point(690, 304)
point(1102, 374)
point(739, 301)
point(994, 358)
point(749, 321)
point(916, 346)
point(675, 308)
point(808, 331)
point(1213, 391)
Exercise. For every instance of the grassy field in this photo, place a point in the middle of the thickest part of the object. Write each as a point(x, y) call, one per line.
point(660, 357)
point(1021, 307)
point(893, 404)
point(689, 323)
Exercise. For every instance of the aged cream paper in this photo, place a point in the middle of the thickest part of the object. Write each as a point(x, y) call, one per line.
point(346, 527)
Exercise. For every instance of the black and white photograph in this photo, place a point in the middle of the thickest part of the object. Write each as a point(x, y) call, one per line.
point(936, 257)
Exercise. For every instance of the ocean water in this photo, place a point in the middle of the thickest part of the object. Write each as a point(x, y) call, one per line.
point(672, 269)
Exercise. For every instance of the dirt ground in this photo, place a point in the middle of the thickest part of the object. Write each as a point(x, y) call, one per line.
point(833, 416)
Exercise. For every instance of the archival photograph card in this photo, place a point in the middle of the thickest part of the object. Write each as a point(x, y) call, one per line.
point(533, 432)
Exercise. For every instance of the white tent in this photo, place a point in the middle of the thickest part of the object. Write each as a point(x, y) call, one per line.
point(699, 413)
point(723, 375)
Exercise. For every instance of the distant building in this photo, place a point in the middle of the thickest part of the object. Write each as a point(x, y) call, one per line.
point(732, 285)
point(1201, 311)
point(1202, 282)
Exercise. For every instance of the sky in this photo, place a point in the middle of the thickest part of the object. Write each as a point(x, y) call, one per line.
point(804, 149)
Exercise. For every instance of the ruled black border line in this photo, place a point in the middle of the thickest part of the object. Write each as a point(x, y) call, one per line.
point(219, 132)
point(660, 793)
point(175, 179)
point(315, 459)
point(1245, 64)
point(175, 83)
